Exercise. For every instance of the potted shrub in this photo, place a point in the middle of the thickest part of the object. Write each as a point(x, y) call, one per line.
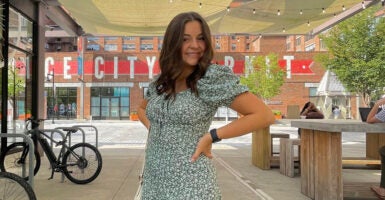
point(277, 114)
point(134, 116)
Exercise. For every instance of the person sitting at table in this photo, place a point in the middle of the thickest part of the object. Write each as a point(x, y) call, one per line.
point(379, 117)
point(310, 111)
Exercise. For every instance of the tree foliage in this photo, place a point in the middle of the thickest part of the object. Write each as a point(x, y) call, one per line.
point(357, 53)
point(266, 78)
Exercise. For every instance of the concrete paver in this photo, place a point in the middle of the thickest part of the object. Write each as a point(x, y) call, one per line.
point(122, 147)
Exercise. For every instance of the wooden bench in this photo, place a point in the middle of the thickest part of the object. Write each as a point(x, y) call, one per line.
point(277, 135)
point(287, 157)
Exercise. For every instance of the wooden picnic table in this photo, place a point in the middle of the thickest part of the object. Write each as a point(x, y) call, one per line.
point(261, 155)
point(321, 153)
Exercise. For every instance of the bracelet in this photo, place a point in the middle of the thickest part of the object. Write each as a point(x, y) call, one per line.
point(214, 136)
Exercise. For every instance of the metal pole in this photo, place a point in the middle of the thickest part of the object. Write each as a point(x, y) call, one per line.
point(53, 95)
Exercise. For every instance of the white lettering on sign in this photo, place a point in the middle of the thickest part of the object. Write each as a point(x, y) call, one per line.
point(99, 74)
point(229, 61)
point(99, 65)
point(288, 65)
point(150, 64)
point(66, 67)
point(116, 67)
point(132, 65)
point(249, 68)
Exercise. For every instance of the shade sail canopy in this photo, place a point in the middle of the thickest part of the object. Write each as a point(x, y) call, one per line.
point(151, 17)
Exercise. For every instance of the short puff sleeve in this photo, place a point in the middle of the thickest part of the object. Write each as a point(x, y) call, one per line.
point(219, 86)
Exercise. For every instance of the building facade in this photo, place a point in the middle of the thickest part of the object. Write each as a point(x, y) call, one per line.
point(106, 77)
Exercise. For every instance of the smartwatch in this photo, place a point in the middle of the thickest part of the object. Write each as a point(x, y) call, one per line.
point(214, 136)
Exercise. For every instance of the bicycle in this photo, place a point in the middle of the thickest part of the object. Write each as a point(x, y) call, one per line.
point(80, 163)
point(13, 187)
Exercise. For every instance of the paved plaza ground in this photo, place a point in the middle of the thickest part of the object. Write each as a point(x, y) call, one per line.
point(122, 146)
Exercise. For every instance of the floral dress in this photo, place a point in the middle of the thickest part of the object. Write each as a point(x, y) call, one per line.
point(175, 129)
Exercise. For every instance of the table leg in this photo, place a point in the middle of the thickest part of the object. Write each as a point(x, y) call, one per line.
point(261, 148)
point(374, 141)
point(321, 164)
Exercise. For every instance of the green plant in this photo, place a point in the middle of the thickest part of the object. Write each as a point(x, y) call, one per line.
point(277, 112)
point(266, 78)
point(356, 53)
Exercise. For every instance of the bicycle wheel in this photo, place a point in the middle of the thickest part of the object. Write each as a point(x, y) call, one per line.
point(82, 163)
point(13, 187)
point(16, 157)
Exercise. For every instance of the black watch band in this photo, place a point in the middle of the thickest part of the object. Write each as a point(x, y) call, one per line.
point(214, 136)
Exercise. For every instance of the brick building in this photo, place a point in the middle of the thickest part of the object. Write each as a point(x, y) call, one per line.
point(105, 77)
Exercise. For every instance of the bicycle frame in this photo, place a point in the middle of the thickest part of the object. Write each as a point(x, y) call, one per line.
point(41, 137)
point(55, 161)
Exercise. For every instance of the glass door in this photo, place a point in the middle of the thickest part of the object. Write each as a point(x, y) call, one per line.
point(115, 107)
point(105, 107)
point(110, 107)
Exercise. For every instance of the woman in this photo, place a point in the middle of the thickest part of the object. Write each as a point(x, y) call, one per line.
point(179, 107)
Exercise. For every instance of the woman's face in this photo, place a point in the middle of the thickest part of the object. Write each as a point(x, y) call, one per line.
point(193, 44)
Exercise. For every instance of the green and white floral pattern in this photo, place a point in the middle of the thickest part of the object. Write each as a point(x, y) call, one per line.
point(176, 126)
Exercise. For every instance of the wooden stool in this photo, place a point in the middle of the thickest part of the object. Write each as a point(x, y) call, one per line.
point(286, 157)
point(277, 135)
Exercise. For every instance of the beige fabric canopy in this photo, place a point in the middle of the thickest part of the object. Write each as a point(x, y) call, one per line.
point(150, 17)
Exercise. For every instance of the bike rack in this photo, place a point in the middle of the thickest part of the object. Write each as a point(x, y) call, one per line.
point(69, 137)
point(30, 156)
point(52, 132)
point(96, 132)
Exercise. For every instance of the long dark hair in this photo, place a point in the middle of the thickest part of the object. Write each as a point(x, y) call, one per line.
point(307, 104)
point(170, 59)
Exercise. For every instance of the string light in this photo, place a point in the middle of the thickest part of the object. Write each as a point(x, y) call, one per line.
point(301, 11)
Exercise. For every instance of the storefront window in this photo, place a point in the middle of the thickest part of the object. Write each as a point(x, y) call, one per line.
point(19, 71)
point(110, 103)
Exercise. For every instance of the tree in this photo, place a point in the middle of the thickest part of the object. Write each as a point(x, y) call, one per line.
point(266, 78)
point(357, 53)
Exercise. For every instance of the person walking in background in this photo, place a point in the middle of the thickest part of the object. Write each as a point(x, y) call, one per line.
point(179, 107)
point(379, 117)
